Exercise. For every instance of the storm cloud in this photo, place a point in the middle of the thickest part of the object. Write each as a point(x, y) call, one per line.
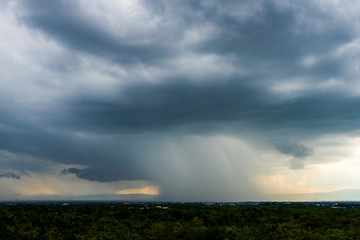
point(298, 151)
point(185, 94)
point(9, 175)
point(295, 150)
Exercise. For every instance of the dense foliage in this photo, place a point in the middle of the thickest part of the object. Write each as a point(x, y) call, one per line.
point(182, 221)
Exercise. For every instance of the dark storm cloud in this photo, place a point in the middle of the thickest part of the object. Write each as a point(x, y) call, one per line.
point(103, 174)
point(7, 174)
point(108, 159)
point(269, 44)
point(275, 34)
point(272, 39)
point(296, 150)
point(67, 23)
point(272, 34)
point(150, 107)
point(75, 171)
point(162, 106)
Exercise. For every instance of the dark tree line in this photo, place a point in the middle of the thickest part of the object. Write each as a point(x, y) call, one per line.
point(196, 222)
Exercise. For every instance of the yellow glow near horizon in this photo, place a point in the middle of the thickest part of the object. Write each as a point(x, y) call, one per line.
point(334, 166)
point(38, 191)
point(149, 190)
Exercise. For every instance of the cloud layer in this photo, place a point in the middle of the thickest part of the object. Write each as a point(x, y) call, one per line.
point(193, 96)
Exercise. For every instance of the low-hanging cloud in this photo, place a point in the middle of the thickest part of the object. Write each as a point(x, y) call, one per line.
point(295, 150)
point(9, 174)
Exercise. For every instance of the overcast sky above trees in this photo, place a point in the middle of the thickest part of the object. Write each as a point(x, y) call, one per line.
point(179, 100)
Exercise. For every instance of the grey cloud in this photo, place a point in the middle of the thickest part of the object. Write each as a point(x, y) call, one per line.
point(262, 30)
point(105, 173)
point(89, 174)
point(75, 171)
point(107, 161)
point(296, 150)
point(274, 41)
point(150, 107)
point(271, 40)
point(20, 163)
point(163, 106)
point(7, 174)
point(272, 35)
point(67, 23)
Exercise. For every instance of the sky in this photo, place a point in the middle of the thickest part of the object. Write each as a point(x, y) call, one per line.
point(179, 100)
